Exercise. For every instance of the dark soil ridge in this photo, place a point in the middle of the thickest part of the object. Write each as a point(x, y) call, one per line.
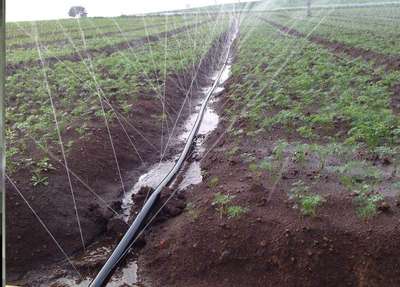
point(391, 63)
point(60, 42)
point(11, 68)
point(272, 244)
point(93, 162)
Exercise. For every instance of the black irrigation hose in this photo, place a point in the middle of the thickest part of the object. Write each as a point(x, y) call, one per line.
point(134, 230)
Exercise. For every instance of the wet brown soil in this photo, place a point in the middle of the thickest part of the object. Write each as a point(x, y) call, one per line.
point(272, 244)
point(93, 170)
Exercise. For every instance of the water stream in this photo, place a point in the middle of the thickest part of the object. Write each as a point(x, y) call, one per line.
point(127, 275)
point(192, 175)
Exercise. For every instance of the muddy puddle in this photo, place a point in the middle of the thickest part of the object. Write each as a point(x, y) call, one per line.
point(127, 276)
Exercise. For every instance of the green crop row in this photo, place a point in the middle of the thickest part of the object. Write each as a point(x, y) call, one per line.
point(324, 108)
point(352, 31)
point(75, 88)
point(81, 44)
point(315, 89)
point(382, 13)
point(61, 33)
point(55, 27)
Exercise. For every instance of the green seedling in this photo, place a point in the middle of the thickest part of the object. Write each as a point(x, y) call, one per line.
point(366, 201)
point(307, 201)
point(221, 202)
point(236, 211)
point(192, 210)
point(38, 179)
point(213, 182)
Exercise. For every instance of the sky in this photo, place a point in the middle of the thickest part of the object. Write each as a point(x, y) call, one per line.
point(28, 10)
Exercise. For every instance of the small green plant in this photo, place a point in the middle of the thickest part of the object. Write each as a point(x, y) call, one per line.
point(69, 144)
point(192, 210)
point(263, 165)
point(299, 187)
point(309, 204)
point(347, 181)
point(367, 201)
point(81, 130)
point(233, 151)
point(237, 132)
point(323, 152)
point(221, 202)
point(266, 165)
point(247, 157)
point(305, 200)
point(126, 107)
point(236, 211)
point(10, 153)
point(396, 185)
point(360, 171)
point(300, 153)
point(213, 182)
point(44, 165)
point(306, 132)
point(385, 151)
point(279, 149)
point(39, 179)
point(254, 168)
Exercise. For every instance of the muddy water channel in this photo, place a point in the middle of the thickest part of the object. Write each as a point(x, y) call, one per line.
point(62, 274)
point(191, 172)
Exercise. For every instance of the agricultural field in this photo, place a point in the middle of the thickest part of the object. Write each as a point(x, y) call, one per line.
point(326, 111)
point(302, 178)
point(361, 29)
point(116, 77)
point(299, 179)
point(85, 113)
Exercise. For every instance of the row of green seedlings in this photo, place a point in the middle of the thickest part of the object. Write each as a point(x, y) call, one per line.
point(222, 203)
point(314, 77)
point(363, 185)
point(80, 103)
point(373, 37)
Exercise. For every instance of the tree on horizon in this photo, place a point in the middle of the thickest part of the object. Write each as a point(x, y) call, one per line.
point(77, 11)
